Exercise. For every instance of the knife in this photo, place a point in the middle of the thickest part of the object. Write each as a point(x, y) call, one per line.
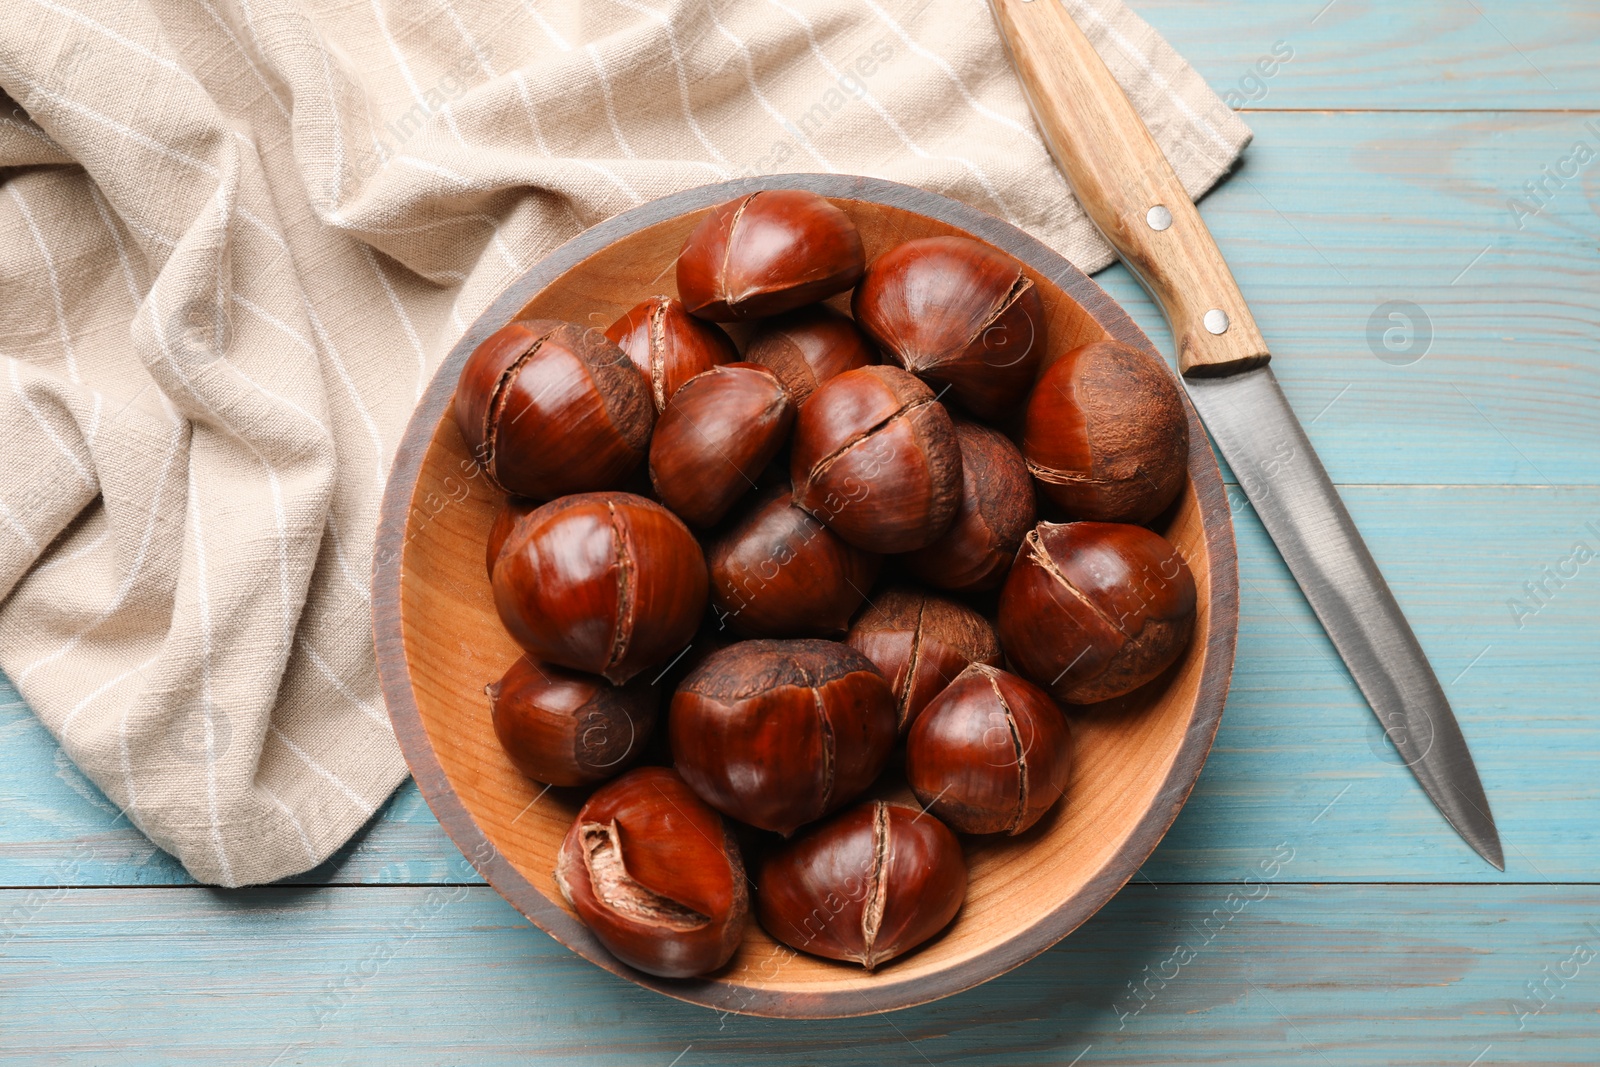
point(1129, 190)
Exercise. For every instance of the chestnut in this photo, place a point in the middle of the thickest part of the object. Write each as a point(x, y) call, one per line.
point(875, 458)
point(548, 408)
point(778, 572)
point(720, 430)
point(957, 312)
point(1106, 433)
point(997, 508)
point(656, 875)
point(806, 347)
point(920, 642)
point(561, 727)
point(1093, 610)
point(766, 253)
point(505, 520)
point(867, 886)
point(607, 583)
point(991, 754)
point(669, 345)
point(779, 733)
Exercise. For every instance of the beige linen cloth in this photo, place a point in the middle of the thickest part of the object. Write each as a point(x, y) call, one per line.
point(236, 238)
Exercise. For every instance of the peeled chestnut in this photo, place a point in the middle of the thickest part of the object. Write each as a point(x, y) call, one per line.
point(1106, 433)
point(549, 408)
point(608, 583)
point(876, 459)
point(669, 345)
point(806, 347)
point(957, 312)
point(779, 733)
point(991, 754)
point(997, 508)
point(505, 520)
point(867, 886)
point(719, 431)
point(656, 875)
point(561, 727)
point(767, 253)
point(920, 642)
point(778, 572)
point(1093, 610)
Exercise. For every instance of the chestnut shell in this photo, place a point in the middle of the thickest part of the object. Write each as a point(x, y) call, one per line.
point(563, 727)
point(997, 509)
point(920, 643)
point(807, 346)
point(669, 345)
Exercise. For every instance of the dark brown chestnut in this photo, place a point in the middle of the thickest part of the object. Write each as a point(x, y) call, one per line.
point(505, 520)
point(719, 432)
point(766, 253)
point(669, 345)
point(991, 754)
point(866, 886)
point(807, 346)
point(548, 408)
point(1093, 610)
point(876, 459)
point(656, 875)
point(960, 313)
point(778, 572)
point(1106, 433)
point(997, 509)
point(920, 642)
point(607, 583)
point(779, 733)
point(561, 727)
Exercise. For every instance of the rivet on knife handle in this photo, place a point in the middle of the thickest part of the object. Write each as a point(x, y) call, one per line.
point(1128, 188)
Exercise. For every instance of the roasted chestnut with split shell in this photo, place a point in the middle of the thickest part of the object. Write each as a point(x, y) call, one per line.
point(548, 408)
point(505, 520)
point(778, 572)
point(990, 754)
point(719, 431)
point(779, 733)
point(1093, 610)
point(669, 345)
point(766, 253)
point(1106, 433)
point(997, 509)
point(563, 727)
point(607, 583)
point(807, 346)
point(866, 886)
point(957, 312)
point(920, 642)
point(875, 457)
point(656, 875)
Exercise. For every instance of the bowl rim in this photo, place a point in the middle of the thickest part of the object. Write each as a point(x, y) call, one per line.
point(887, 994)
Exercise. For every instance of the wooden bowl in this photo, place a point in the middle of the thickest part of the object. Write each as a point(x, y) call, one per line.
point(439, 642)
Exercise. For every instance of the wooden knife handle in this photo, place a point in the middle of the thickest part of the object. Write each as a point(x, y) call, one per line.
point(1124, 182)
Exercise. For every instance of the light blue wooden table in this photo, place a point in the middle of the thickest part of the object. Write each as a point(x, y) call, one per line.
point(1386, 151)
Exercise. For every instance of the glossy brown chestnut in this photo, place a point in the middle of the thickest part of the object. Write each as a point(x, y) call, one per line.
point(1106, 433)
point(866, 886)
point(1093, 610)
point(920, 642)
point(876, 459)
point(807, 346)
point(997, 509)
point(561, 727)
point(656, 875)
point(549, 408)
point(607, 583)
point(778, 572)
point(991, 754)
point(719, 432)
point(669, 345)
point(779, 733)
point(767, 253)
point(505, 520)
point(960, 313)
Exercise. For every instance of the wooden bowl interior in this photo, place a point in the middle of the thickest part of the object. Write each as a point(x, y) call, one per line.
point(454, 645)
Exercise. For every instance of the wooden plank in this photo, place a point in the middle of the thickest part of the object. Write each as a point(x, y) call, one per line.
point(1265, 972)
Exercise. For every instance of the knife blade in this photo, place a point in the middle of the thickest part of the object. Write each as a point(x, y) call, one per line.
point(1128, 188)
